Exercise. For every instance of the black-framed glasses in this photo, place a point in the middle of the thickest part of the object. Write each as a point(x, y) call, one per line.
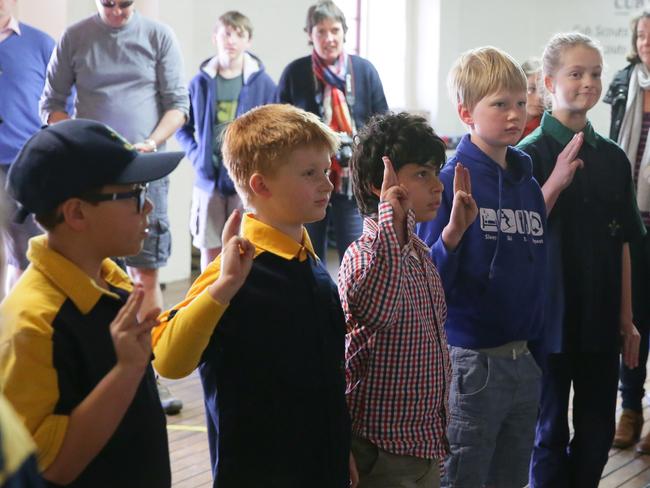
point(113, 4)
point(140, 195)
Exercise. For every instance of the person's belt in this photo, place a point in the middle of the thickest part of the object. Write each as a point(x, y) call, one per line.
point(509, 350)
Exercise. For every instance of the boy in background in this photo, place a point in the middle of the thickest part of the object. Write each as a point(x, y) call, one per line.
point(395, 308)
point(75, 349)
point(227, 85)
point(493, 272)
point(268, 337)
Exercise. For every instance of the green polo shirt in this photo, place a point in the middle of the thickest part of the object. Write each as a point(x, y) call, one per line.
point(591, 220)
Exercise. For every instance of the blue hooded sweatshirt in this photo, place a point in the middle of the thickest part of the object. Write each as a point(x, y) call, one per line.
point(494, 280)
point(196, 136)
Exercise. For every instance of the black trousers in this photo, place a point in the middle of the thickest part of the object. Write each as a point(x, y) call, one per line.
point(562, 462)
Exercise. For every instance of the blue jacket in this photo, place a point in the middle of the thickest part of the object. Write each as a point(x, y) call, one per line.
point(197, 134)
point(296, 86)
point(494, 281)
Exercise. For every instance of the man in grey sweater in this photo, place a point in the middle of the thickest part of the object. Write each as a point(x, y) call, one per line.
point(128, 74)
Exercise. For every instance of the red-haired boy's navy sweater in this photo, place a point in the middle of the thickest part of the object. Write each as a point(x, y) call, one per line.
point(272, 367)
point(274, 381)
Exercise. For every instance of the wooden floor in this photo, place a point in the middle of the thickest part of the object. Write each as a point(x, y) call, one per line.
point(190, 457)
point(626, 468)
point(188, 442)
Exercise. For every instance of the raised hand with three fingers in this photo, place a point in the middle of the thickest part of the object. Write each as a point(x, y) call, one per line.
point(464, 209)
point(397, 195)
point(566, 165)
point(132, 337)
point(236, 261)
point(568, 162)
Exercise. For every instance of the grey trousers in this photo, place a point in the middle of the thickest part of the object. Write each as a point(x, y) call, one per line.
point(381, 469)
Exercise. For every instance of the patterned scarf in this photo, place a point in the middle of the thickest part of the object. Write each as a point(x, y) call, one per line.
point(630, 133)
point(336, 113)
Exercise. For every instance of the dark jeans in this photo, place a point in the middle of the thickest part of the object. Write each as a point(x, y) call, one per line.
point(559, 461)
point(632, 380)
point(348, 225)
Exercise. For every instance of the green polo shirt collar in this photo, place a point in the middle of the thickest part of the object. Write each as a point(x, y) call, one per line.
point(562, 134)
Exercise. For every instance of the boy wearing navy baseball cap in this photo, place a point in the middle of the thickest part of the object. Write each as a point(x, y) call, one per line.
point(74, 352)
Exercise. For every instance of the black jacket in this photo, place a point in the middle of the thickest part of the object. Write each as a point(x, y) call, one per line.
point(617, 97)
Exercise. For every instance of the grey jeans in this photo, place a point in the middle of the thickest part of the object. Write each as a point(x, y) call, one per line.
point(493, 404)
point(382, 469)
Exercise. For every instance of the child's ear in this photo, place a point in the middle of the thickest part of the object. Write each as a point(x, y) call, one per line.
point(548, 84)
point(258, 185)
point(73, 214)
point(465, 114)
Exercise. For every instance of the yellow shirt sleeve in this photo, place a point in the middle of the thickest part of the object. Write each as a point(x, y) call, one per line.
point(15, 442)
point(185, 330)
point(29, 382)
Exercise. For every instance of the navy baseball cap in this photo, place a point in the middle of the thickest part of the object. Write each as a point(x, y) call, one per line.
point(71, 158)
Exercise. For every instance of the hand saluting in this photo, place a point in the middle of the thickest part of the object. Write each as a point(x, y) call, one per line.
point(398, 197)
point(566, 165)
point(236, 261)
point(132, 337)
point(568, 162)
point(463, 210)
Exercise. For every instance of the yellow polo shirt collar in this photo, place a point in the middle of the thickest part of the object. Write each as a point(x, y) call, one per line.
point(269, 239)
point(71, 280)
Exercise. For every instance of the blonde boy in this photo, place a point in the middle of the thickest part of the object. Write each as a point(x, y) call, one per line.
point(493, 270)
point(270, 348)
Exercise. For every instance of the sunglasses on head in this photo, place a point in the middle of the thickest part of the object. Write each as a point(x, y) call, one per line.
point(140, 195)
point(113, 4)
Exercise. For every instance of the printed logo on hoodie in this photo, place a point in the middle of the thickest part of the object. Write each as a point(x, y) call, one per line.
point(522, 222)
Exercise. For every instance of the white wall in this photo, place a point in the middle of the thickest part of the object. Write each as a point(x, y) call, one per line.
point(449, 27)
point(384, 43)
point(278, 38)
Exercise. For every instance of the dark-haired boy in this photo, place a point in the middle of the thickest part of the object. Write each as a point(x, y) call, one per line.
point(398, 367)
point(74, 358)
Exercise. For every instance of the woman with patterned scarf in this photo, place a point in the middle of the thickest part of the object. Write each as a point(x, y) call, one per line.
point(629, 96)
point(344, 90)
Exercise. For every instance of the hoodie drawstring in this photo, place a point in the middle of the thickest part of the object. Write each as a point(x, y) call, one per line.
point(529, 234)
point(496, 248)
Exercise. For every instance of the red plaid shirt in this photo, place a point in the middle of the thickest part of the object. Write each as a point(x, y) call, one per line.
point(397, 363)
